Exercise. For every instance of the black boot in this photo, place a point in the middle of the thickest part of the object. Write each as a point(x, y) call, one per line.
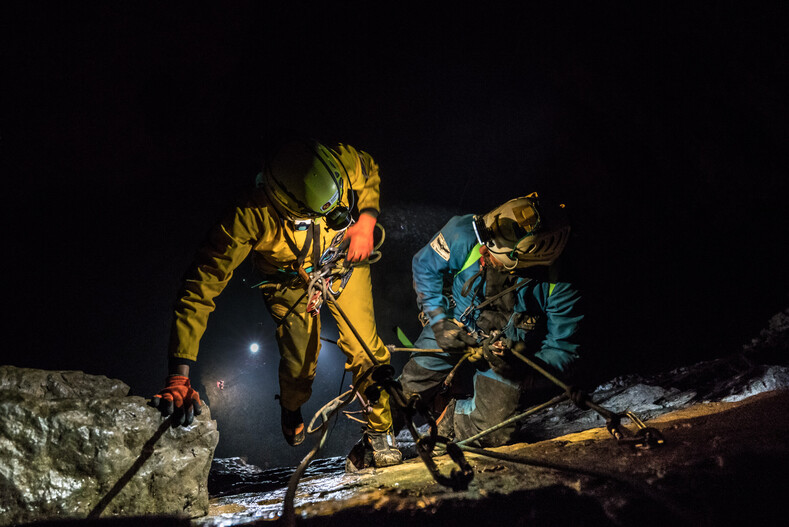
point(374, 449)
point(291, 422)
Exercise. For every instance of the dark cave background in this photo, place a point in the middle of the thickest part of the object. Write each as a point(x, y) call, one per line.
point(128, 129)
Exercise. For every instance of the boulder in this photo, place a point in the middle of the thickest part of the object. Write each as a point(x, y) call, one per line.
point(74, 445)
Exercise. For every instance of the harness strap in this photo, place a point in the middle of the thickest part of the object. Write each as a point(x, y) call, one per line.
point(502, 293)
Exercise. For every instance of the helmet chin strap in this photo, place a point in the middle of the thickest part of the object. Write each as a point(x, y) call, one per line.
point(504, 265)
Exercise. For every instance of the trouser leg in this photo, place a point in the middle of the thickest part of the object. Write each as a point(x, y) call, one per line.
point(356, 302)
point(425, 373)
point(495, 400)
point(298, 340)
point(416, 379)
point(428, 384)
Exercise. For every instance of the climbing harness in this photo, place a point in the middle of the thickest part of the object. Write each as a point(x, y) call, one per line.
point(330, 271)
point(464, 317)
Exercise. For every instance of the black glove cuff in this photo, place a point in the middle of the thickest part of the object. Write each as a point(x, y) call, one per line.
point(174, 362)
point(369, 211)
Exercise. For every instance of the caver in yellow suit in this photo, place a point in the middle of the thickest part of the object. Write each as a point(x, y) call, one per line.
point(302, 201)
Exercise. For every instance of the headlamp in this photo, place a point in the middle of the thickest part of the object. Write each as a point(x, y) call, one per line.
point(338, 218)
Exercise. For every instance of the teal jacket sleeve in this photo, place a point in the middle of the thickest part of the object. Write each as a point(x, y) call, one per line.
point(444, 255)
point(561, 304)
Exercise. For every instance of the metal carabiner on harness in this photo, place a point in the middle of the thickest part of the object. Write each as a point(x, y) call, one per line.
point(327, 273)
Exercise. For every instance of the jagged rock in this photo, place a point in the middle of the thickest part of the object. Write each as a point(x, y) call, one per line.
point(75, 445)
point(773, 378)
point(772, 344)
point(724, 433)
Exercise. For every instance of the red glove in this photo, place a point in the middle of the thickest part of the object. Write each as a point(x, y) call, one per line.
point(360, 235)
point(178, 398)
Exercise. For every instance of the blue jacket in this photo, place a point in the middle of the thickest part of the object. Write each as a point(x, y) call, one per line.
point(454, 253)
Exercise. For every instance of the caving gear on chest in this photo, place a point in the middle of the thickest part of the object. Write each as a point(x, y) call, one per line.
point(495, 312)
point(332, 273)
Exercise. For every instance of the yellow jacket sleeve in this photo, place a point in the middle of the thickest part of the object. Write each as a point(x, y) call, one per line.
point(228, 245)
point(365, 179)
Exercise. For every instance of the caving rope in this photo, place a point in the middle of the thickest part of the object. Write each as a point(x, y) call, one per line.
point(325, 284)
point(644, 437)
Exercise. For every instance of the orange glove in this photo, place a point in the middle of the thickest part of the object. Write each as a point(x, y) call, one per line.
point(178, 398)
point(360, 235)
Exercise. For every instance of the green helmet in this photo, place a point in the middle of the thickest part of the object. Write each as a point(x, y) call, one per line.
point(524, 232)
point(306, 180)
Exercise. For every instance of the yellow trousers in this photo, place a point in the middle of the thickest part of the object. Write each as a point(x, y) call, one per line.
point(298, 338)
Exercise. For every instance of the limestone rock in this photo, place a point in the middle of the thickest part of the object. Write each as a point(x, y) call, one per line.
point(74, 445)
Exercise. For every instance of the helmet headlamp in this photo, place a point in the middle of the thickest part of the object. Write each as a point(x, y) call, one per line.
point(338, 218)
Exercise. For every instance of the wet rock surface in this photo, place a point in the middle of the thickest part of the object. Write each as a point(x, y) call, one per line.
point(75, 445)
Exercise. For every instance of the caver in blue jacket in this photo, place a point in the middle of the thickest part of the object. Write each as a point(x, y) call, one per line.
point(543, 314)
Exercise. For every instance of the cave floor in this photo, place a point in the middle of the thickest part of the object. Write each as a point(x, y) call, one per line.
point(721, 463)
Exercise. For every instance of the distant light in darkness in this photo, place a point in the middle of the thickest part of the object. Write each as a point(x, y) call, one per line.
point(254, 347)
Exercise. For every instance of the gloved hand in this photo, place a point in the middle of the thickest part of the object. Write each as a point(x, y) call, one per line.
point(451, 337)
point(360, 236)
point(178, 399)
point(499, 358)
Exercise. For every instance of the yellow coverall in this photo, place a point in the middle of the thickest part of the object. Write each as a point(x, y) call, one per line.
point(256, 226)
